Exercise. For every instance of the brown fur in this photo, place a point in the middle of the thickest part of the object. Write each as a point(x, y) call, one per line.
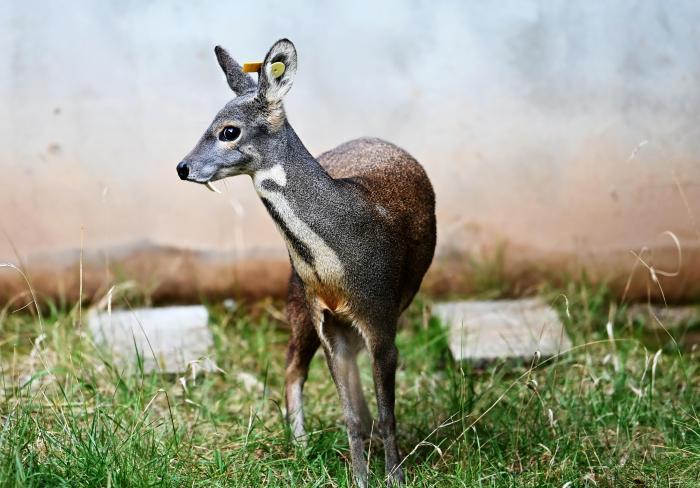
point(395, 181)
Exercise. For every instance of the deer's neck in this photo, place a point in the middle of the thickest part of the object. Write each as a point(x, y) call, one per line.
point(297, 191)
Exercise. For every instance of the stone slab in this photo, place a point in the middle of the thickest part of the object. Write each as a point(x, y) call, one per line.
point(682, 322)
point(486, 330)
point(676, 317)
point(168, 339)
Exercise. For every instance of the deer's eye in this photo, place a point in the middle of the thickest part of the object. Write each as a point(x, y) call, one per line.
point(229, 133)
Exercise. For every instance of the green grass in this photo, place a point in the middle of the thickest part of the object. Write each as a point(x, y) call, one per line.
point(600, 415)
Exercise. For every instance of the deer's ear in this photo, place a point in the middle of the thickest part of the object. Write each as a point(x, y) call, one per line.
point(239, 81)
point(277, 71)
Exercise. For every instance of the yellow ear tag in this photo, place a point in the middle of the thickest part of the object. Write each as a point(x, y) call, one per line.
point(277, 69)
point(251, 67)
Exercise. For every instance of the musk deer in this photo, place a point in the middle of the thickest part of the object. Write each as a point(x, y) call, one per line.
point(359, 224)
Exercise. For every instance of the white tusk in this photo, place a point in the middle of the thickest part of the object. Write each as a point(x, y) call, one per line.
point(212, 187)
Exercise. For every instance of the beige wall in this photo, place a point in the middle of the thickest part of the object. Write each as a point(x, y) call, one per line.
point(564, 133)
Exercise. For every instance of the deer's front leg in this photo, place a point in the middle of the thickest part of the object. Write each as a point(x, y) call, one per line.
point(302, 346)
point(340, 346)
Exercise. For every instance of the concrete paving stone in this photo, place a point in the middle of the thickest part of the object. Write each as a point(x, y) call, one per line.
point(168, 339)
point(486, 330)
point(671, 317)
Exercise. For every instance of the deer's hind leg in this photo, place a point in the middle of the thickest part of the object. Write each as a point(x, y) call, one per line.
point(302, 346)
point(384, 354)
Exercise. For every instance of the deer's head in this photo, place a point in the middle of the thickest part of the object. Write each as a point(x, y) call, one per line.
point(247, 133)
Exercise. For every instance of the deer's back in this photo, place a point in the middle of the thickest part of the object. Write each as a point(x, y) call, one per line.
point(391, 177)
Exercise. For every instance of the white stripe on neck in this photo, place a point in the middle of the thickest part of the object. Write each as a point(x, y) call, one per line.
point(275, 173)
point(326, 261)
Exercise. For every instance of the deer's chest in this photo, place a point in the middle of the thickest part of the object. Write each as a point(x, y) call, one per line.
point(317, 264)
point(320, 270)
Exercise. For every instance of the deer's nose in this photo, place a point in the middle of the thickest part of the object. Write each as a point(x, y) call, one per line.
point(183, 170)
